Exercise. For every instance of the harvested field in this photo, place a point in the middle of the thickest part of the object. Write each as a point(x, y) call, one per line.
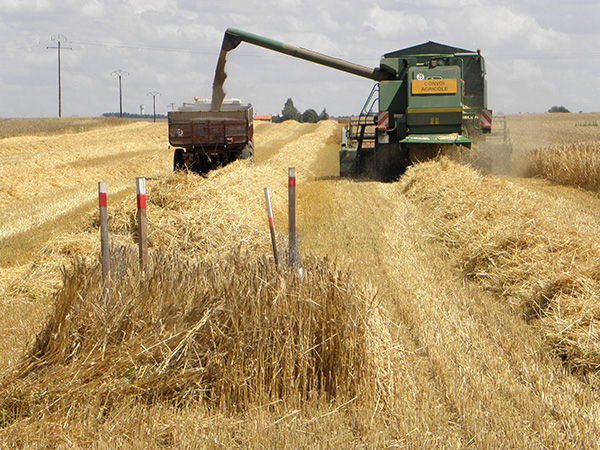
point(447, 310)
point(53, 126)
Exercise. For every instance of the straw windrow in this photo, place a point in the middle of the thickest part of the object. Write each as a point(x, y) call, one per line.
point(233, 333)
point(522, 247)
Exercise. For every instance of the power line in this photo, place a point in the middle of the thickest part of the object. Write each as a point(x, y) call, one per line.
point(83, 68)
point(242, 53)
point(146, 47)
point(11, 47)
point(248, 53)
point(543, 56)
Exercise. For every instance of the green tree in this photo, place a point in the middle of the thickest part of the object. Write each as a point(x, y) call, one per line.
point(558, 109)
point(324, 115)
point(290, 112)
point(310, 116)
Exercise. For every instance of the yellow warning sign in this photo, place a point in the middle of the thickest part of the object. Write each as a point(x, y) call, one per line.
point(434, 86)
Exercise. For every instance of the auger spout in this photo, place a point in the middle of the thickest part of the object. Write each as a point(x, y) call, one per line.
point(233, 37)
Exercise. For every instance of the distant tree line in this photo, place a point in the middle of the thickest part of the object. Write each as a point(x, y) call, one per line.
point(290, 112)
point(127, 115)
point(558, 109)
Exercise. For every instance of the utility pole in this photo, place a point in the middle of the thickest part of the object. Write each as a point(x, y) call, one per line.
point(154, 94)
point(59, 38)
point(120, 73)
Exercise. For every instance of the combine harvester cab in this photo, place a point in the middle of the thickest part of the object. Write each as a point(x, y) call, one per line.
point(429, 100)
point(205, 140)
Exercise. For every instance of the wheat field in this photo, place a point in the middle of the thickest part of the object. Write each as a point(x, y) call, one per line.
point(449, 309)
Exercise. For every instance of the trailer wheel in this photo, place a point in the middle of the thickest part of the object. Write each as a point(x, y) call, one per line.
point(178, 159)
point(248, 151)
point(204, 164)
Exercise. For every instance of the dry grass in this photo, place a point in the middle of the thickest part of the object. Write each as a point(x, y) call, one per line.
point(474, 373)
point(47, 185)
point(208, 216)
point(222, 335)
point(570, 164)
point(53, 126)
point(539, 260)
point(45, 177)
point(235, 333)
point(388, 347)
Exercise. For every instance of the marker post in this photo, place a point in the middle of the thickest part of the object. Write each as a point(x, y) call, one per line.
point(292, 214)
point(140, 185)
point(104, 245)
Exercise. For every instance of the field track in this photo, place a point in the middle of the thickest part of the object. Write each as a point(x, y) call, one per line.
point(469, 369)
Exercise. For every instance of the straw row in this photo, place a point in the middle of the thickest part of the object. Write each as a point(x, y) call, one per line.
point(234, 333)
point(522, 247)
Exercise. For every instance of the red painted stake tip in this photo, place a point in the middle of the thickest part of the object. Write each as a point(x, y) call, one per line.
point(102, 193)
point(141, 201)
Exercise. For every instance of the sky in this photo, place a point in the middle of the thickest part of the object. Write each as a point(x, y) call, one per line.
point(538, 53)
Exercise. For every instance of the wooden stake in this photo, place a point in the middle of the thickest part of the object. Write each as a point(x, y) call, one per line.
point(272, 227)
point(292, 215)
point(104, 245)
point(140, 185)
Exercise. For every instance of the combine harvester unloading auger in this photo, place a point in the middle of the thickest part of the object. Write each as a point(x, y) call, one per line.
point(428, 99)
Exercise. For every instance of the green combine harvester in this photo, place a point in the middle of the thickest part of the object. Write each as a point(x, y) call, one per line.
point(428, 99)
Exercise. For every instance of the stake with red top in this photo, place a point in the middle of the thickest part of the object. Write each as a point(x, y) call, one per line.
point(292, 214)
point(140, 184)
point(104, 246)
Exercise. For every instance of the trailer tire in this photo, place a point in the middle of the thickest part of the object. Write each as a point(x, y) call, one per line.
point(178, 159)
point(248, 151)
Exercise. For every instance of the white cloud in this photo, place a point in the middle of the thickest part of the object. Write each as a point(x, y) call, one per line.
point(140, 6)
point(393, 24)
point(26, 6)
point(171, 46)
point(500, 25)
point(93, 8)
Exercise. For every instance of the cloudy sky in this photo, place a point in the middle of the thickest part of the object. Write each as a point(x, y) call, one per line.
point(539, 53)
